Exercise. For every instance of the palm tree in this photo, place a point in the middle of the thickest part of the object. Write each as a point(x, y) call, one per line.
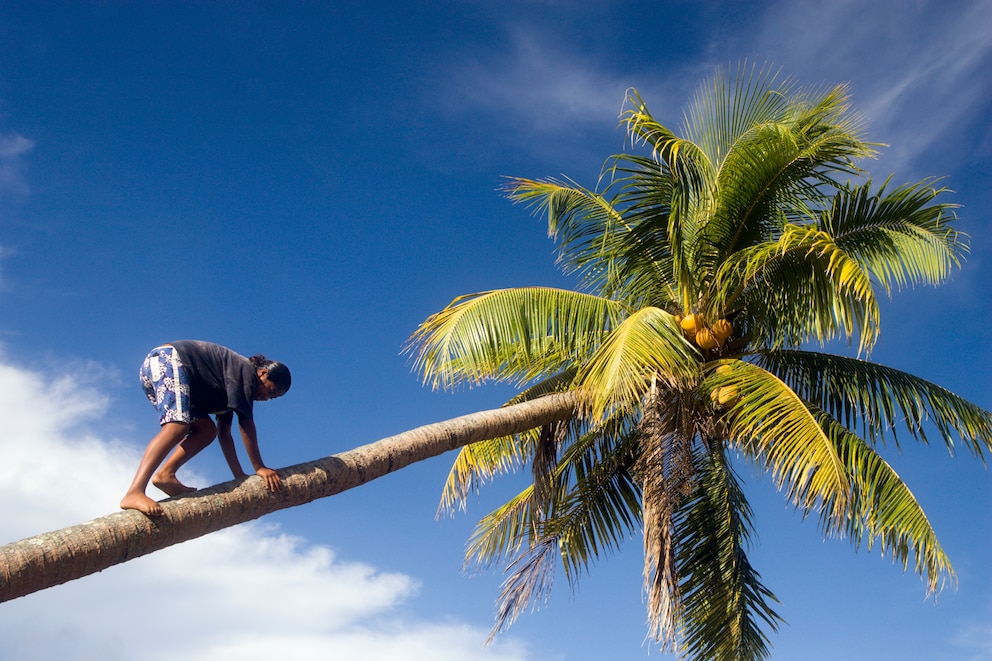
point(707, 269)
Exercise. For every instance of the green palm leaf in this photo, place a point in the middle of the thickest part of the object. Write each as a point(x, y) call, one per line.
point(583, 223)
point(596, 510)
point(479, 463)
point(513, 335)
point(683, 158)
point(877, 400)
point(902, 238)
point(655, 263)
point(689, 178)
point(646, 345)
point(885, 510)
point(772, 424)
point(806, 287)
point(725, 602)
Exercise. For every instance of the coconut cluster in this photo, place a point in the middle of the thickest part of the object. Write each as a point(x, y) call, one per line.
point(705, 336)
point(725, 396)
point(712, 336)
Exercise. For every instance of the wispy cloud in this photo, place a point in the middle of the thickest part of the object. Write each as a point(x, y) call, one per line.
point(917, 70)
point(535, 85)
point(540, 95)
point(244, 593)
point(13, 146)
point(973, 641)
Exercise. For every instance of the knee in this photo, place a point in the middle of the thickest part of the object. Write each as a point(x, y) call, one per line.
point(204, 429)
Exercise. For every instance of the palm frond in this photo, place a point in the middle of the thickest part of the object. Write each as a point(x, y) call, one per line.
point(593, 459)
point(646, 345)
point(773, 425)
point(878, 400)
point(530, 579)
point(513, 335)
point(884, 510)
point(651, 265)
point(724, 600)
point(594, 512)
point(902, 238)
point(774, 147)
point(478, 463)
point(804, 286)
point(683, 158)
point(549, 440)
point(726, 106)
point(602, 509)
point(598, 513)
point(774, 173)
point(668, 445)
point(584, 224)
point(689, 180)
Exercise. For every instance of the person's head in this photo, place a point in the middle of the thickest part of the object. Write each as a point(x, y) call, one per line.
point(273, 375)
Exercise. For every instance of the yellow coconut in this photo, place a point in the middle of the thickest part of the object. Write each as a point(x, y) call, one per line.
point(691, 324)
point(728, 396)
point(722, 329)
point(705, 339)
point(723, 370)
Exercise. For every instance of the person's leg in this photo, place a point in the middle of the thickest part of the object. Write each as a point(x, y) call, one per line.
point(201, 433)
point(168, 437)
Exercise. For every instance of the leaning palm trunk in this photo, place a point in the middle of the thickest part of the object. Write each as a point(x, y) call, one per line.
point(57, 557)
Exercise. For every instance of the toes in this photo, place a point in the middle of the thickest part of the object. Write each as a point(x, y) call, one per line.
point(145, 505)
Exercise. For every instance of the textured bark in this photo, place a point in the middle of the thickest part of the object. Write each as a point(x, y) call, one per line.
point(56, 557)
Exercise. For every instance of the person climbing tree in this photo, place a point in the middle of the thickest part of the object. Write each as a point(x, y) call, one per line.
point(187, 381)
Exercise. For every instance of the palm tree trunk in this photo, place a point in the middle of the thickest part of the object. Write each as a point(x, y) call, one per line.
point(54, 558)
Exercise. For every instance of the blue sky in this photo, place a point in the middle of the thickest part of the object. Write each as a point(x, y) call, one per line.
point(311, 181)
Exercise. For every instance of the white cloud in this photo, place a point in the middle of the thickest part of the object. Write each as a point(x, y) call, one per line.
point(244, 593)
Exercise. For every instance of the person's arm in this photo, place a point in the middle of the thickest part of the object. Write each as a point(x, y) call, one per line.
point(226, 440)
point(250, 438)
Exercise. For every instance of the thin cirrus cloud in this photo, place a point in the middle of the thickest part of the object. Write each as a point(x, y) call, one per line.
point(13, 146)
point(247, 592)
point(915, 79)
point(535, 84)
point(917, 70)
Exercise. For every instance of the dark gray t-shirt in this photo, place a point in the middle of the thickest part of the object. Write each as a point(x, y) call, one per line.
point(219, 379)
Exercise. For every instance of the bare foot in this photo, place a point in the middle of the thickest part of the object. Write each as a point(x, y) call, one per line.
point(142, 503)
point(170, 484)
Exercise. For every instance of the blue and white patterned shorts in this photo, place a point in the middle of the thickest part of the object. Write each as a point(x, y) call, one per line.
point(166, 384)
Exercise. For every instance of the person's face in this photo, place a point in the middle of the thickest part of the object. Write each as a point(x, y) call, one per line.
point(268, 390)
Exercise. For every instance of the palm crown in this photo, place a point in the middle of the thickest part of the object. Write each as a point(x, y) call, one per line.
point(706, 269)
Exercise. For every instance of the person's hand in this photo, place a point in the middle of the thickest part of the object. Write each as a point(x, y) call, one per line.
point(272, 480)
